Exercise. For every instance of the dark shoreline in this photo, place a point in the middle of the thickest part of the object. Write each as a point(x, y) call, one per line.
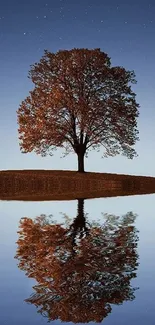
point(42, 185)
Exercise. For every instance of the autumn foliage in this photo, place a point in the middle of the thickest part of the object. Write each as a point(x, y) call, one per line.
point(81, 268)
point(79, 102)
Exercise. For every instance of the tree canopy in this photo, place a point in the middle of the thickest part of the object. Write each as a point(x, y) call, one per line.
point(79, 102)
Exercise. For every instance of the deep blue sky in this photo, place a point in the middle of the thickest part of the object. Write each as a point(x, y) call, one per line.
point(124, 30)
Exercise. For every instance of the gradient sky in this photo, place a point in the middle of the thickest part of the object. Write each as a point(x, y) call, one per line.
point(124, 30)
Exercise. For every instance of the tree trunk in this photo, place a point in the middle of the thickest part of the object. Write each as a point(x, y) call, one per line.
point(81, 162)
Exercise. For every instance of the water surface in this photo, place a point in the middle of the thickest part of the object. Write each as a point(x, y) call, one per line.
point(16, 286)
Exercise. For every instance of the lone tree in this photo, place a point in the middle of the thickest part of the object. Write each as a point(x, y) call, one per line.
point(79, 102)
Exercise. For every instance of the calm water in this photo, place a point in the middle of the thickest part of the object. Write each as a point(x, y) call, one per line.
point(108, 274)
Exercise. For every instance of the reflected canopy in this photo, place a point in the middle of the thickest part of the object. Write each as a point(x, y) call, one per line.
point(81, 267)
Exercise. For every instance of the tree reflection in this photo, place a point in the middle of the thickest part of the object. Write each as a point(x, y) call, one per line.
point(81, 268)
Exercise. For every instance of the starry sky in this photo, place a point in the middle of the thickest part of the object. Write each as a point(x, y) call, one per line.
point(123, 29)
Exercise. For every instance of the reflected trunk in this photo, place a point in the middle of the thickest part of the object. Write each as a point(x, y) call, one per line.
point(79, 226)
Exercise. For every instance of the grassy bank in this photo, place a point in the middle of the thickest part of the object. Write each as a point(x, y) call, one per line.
point(67, 185)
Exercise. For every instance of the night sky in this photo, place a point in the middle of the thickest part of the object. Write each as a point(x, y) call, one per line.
point(124, 30)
